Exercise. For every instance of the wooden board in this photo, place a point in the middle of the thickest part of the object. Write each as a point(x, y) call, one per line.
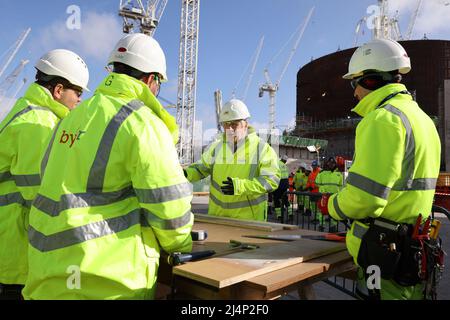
point(248, 224)
point(238, 266)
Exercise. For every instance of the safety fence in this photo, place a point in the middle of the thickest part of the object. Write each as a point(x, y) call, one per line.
point(303, 209)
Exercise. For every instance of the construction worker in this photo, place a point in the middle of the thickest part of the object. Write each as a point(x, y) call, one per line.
point(280, 198)
point(300, 180)
point(113, 193)
point(311, 183)
point(61, 78)
point(243, 168)
point(395, 167)
point(330, 181)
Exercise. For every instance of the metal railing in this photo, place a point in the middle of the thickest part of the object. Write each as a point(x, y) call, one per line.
point(302, 210)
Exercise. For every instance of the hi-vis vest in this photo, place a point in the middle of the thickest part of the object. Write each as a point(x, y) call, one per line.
point(329, 181)
point(24, 135)
point(395, 167)
point(283, 170)
point(254, 170)
point(112, 193)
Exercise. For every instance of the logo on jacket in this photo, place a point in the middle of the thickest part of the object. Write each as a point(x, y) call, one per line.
point(70, 138)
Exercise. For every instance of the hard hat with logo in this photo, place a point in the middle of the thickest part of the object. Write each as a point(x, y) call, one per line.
point(65, 64)
point(140, 52)
point(378, 55)
point(234, 110)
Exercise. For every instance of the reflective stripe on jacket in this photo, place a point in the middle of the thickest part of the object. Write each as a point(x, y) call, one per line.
point(396, 163)
point(24, 135)
point(254, 170)
point(109, 200)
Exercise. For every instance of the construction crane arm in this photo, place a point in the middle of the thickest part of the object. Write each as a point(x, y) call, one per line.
point(294, 49)
point(412, 22)
point(252, 71)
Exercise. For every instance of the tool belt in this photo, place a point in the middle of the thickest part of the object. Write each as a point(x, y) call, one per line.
point(403, 255)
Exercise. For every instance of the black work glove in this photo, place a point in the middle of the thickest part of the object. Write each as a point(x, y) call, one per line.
point(227, 187)
point(185, 173)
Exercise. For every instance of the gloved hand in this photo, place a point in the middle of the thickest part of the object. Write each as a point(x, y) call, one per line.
point(185, 172)
point(227, 187)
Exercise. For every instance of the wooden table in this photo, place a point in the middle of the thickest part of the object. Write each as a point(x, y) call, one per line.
point(259, 273)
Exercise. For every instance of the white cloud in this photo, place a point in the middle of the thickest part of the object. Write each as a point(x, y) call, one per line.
point(98, 34)
point(432, 18)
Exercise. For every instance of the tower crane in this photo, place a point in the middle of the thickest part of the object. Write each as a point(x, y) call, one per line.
point(15, 48)
point(187, 79)
point(413, 20)
point(271, 87)
point(9, 81)
point(147, 17)
point(253, 61)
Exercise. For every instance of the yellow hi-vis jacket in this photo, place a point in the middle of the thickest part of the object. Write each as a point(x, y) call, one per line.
point(300, 180)
point(24, 135)
point(284, 170)
point(112, 193)
point(253, 168)
point(395, 167)
point(329, 181)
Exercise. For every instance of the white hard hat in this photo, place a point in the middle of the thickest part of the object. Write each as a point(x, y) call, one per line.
point(284, 158)
point(303, 165)
point(65, 64)
point(141, 52)
point(381, 55)
point(234, 110)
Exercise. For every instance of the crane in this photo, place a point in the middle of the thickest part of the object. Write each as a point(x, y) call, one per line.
point(413, 20)
point(148, 17)
point(218, 104)
point(254, 59)
point(187, 79)
point(271, 87)
point(9, 81)
point(16, 48)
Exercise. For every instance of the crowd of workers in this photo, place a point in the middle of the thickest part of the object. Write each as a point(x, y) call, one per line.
point(90, 194)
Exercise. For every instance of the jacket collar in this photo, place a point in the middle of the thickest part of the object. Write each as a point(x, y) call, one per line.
point(40, 96)
point(373, 99)
point(130, 88)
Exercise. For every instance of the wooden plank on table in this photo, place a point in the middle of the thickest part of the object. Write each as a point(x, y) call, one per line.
point(226, 270)
point(247, 224)
point(276, 280)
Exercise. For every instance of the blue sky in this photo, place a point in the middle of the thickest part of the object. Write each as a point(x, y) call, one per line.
point(229, 33)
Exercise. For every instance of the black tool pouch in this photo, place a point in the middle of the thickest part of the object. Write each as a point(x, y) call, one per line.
point(408, 271)
point(376, 249)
